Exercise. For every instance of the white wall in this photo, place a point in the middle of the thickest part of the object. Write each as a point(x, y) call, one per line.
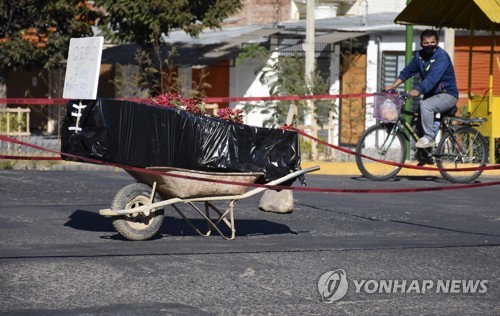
point(335, 89)
point(372, 75)
point(376, 6)
point(244, 82)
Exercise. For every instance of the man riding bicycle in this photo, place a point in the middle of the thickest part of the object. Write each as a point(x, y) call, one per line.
point(438, 85)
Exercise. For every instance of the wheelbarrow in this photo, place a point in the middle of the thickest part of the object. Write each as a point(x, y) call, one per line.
point(137, 209)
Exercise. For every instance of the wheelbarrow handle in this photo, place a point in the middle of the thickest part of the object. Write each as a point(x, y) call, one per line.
point(279, 181)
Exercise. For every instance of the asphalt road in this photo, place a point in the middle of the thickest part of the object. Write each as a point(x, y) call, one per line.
point(434, 253)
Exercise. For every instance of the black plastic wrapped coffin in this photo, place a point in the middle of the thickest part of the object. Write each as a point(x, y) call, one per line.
point(142, 135)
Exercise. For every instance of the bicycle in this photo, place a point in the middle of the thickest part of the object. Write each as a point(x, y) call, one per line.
point(460, 143)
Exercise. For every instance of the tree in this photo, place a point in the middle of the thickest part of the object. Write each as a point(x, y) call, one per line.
point(36, 33)
point(146, 22)
point(284, 75)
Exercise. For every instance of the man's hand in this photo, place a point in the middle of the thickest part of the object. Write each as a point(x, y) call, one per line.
point(414, 93)
point(394, 85)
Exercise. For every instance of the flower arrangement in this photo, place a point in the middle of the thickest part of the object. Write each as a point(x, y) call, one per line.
point(195, 106)
point(231, 115)
point(175, 100)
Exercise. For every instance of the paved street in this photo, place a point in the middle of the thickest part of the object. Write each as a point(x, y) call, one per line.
point(58, 256)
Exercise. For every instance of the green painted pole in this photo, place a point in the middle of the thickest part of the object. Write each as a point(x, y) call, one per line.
point(408, 84)
point(409, 55)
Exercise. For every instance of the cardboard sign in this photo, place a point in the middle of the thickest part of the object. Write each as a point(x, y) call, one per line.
point(83, 68)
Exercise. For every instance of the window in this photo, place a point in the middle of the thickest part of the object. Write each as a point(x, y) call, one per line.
point(392, 64)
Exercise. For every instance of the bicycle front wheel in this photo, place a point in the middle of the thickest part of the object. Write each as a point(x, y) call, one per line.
point(465, 149)
point(381, 142)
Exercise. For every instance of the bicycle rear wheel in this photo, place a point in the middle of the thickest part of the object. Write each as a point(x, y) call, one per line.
point(466, 149)
point(380, 142)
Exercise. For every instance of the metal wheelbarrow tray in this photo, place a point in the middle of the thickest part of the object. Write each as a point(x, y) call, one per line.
point(171, 186)
point(137, 209)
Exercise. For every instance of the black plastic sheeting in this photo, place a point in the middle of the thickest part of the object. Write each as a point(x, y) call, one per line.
point(142, 135)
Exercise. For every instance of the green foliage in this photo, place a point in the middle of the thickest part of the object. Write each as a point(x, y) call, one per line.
point(15, 123)
point(145, 22)
point(126, 82)
point(251, 51)
point(6, 164)
point(306, 147)
point(285, 75)
point(37, 33)
point(148, 78)
point(9, 164)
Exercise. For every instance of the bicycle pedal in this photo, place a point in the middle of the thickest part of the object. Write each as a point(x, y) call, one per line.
point(424, 157)
point(429, 161)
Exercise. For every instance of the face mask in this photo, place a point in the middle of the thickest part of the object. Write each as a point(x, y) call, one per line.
point(429, 50)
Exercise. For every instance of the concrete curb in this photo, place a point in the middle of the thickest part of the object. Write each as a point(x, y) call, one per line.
point(327, 168)
point(351, 169)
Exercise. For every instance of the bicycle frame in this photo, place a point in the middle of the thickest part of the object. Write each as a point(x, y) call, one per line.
point(460, 142)
point(459, 146)
point(444, 125)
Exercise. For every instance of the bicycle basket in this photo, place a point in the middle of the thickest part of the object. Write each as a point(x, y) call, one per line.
point(387, 107)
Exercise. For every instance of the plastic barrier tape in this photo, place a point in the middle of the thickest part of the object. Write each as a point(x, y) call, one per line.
point(275, 187)
point(59, 101)
point(492, 167)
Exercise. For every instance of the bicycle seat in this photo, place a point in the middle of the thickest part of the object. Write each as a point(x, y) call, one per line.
point(450, 112)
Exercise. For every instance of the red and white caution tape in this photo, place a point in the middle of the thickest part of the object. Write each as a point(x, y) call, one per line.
point(391, 163)
point(275, 187)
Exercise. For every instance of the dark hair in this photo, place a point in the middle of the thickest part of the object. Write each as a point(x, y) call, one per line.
point(429, 33)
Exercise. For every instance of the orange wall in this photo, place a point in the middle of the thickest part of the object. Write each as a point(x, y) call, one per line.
point(352, 111)
point(480, 65)
point(218, 78)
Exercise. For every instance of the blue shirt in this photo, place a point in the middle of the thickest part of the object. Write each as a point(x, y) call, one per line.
point(437, 73)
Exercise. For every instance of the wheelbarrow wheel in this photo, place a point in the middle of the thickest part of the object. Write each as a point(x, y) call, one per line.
point(137, 226)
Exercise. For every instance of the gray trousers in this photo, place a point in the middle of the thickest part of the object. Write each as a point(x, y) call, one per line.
point(429, 107)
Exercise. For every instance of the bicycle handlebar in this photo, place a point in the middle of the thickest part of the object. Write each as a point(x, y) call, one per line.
point(402, 94)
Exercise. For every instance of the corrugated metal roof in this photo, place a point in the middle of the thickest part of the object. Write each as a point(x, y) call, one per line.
point(491, 8)
point(356, 23)
point(226, 35)
point(460, 14)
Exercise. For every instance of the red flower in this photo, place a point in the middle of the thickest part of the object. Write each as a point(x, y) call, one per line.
point(231, 115)
point(195, 106)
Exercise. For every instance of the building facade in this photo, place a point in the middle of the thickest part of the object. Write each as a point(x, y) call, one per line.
point(279, 25)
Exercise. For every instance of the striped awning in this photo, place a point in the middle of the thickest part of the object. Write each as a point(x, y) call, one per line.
point(459, 14)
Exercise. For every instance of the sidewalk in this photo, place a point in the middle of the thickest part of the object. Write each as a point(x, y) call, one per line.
point(350, 169)
point(326, 168)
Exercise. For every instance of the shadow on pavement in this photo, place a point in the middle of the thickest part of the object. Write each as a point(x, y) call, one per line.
point(399, 178)
point(91, 221)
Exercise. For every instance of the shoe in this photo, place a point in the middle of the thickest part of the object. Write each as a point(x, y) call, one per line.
point(425, 142)
point(424, 157)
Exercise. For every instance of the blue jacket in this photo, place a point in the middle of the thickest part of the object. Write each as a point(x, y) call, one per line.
point(437, 73)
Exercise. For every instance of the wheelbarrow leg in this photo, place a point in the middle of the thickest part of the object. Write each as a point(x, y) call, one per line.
point(222, 217)
point(212, 225)
point(207, 212)
point(188, 221)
